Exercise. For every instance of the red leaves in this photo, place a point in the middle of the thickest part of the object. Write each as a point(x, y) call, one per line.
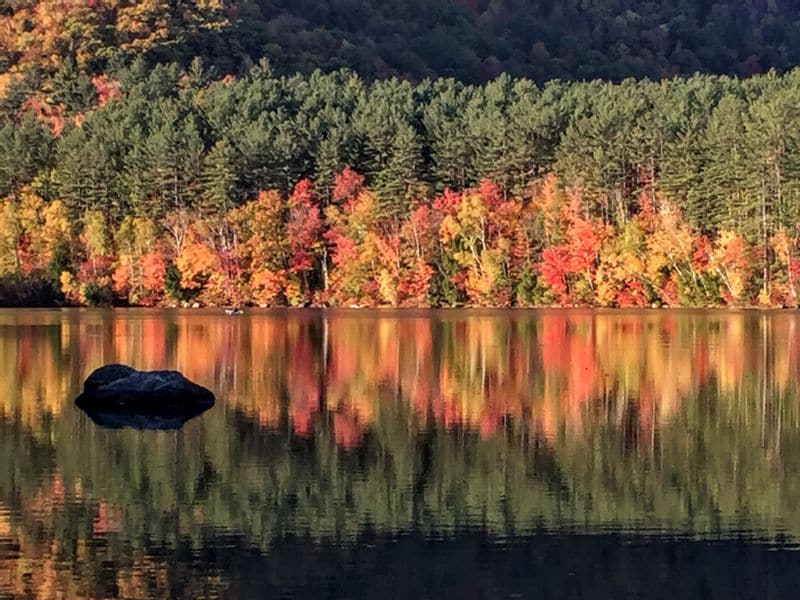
point(154, 271)
point(491, 193)
point(414, 285)
point(554, 268)
point(701, 253)
point(446, 203)
point(632, 295)
point(477, 247)
point(347, 185)
point(106, 89)
point(573, 262)
point(303, 228)
point(584, 245)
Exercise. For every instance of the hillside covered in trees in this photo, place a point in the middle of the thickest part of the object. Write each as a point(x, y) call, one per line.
point(471, 40)
point(214, 152)
point(325, 189)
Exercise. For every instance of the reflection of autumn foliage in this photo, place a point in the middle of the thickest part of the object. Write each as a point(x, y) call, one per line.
point(478, 389)
point(459, 369)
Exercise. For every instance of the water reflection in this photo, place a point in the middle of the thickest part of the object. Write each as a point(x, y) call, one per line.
point(398, 428)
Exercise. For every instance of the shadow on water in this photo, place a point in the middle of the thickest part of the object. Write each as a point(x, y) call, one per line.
point(472, 565)
point(601, 567)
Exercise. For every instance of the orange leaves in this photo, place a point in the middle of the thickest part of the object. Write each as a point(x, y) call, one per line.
point(731, 259)
point(267, 286)
point(196, 263)
point(141, 265)
point(122, 276)
point(154, 270)
point(783, 287)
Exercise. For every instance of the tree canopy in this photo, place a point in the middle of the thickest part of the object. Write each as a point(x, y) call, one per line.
point(471, 40)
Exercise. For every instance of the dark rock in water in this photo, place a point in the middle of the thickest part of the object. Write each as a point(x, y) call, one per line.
point(119, 396)
point(107, 374)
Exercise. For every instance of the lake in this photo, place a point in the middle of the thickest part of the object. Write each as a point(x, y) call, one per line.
point(475, 454)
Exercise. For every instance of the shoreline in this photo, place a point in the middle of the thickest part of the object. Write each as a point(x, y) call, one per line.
point(410, 309)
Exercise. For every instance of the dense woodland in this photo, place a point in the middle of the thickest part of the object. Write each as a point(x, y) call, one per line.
point(129, 180)
point(168, 186)
point(471, 40)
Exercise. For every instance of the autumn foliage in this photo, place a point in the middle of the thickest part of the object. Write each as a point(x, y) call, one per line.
point(479, 247)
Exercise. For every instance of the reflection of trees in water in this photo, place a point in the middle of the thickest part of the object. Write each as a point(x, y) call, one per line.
point(567, 420)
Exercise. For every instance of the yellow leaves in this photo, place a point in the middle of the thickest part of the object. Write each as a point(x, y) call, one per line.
point(10, 230)
point(69, 286)
point(145, 24)
point(622, 260)
point(95, 234)
point(466, 227)
point(764, 298)
point(294, 292)
point(30, 210)
point(145, 234)
point(668, 247)
point(259, 226)
point(605, 290)
point(361, 215)
point(730, 258)
point(387, 286)
point(124, 236)
point(56, 226)
point(42, 225)
point(485, 284)
point(547, 203)
point(782, 245)
point(449, 230)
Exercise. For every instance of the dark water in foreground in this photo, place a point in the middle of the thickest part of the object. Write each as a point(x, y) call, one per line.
point(569, 454)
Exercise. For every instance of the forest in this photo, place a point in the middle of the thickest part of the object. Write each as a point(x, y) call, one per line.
point(170, 186)
point(471, 40)
point(299, 153)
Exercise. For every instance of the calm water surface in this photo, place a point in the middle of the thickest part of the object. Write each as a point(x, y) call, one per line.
point(570, 454)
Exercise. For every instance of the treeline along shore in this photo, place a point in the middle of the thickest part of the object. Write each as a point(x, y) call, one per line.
point(166, 185)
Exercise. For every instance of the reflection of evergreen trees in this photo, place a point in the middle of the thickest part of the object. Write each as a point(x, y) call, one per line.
point(719, 465)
